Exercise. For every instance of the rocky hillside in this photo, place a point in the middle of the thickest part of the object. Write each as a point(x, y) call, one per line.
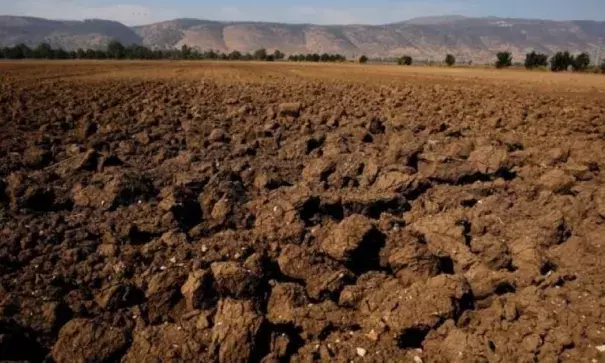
point(476, 39)
point(66, 34)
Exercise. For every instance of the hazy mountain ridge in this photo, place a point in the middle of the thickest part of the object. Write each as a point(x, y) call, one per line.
point(476, 39)
point(60, 33)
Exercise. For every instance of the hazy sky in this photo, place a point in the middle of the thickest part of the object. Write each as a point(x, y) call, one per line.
point(134, 12)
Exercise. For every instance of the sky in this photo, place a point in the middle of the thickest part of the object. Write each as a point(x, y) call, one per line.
point(137, 12)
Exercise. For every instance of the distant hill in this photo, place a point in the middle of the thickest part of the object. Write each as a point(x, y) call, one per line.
point(66, 34)
point(476, 39)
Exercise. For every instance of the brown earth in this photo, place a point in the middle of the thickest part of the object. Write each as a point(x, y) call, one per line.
point(242, 212)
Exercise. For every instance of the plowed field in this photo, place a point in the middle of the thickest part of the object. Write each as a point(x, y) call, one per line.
point(244, 212)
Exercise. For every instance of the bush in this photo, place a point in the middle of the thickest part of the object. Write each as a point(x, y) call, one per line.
point(561, 61)
point(504, 60)
point(406, 60)
point(581, 62)
point(602, 67)
point(450, 60)
point(363, 59)
point(535, 60)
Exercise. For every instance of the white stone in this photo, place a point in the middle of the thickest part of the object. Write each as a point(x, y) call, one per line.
point(361, 352)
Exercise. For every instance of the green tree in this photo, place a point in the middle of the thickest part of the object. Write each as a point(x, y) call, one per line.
point(278, 55)
point(99, 54)
point(504, 60)
point(450, 60)
point(80, 53)
point(260, 54)
point(535, 60)
point(561, 61)
point(235, 55)
point(363, 59)
point(581, 62)
point(43, 51)
point(185, 52)
point(61, 54)
point(602, 67)
point(406, 60)
point(115, 50)
point(211, 54)
point(19, 51)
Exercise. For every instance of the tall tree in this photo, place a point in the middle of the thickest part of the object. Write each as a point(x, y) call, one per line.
point(581, 62)
point(115, 50)
point(278, 55)
point(535, 60)
point(43, 51)
point(561, 61)
point(260, 54)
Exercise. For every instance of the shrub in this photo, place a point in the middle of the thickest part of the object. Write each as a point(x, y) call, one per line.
point(603, 67)
point(580, 62)
point(406, 60)
point(363, 59)
point(504, 60)
point(534, 60)
point(450, 60)
point(561, 61)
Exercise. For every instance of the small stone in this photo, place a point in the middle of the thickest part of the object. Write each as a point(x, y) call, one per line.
point(601, 348)
point(417, 359)
point(361, 352)
point(372, 335)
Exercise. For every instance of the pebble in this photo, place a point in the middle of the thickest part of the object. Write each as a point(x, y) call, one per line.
point(417, 359)
point(361, 352)
point(601, 348)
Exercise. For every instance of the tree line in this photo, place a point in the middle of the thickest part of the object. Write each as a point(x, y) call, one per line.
point(116, 50)
point(560, 61)
point(325, 57)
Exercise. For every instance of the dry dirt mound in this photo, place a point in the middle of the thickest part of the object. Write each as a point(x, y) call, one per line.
point(275, 218)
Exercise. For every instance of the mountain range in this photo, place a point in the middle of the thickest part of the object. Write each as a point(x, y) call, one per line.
point(429, 38)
